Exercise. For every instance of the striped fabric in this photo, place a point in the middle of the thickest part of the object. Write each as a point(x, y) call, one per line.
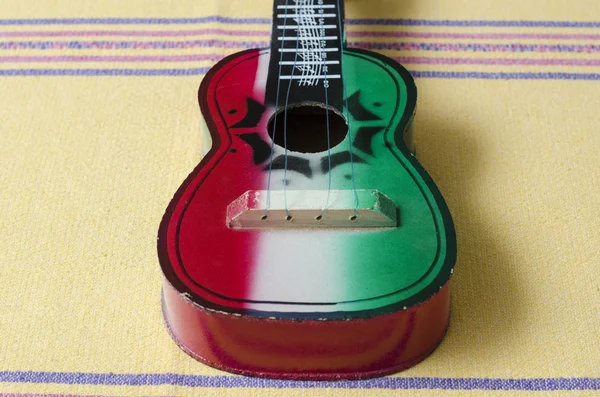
point(483, 49)
point(534, 384)
point(99, 126)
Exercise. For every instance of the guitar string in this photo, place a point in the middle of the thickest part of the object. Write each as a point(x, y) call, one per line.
point(326, 85)
point(323, 55)
point(268, 204)
point(345, 93)
point(285, 124)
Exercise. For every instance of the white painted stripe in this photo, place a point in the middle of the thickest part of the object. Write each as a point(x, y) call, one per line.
point(298, 265)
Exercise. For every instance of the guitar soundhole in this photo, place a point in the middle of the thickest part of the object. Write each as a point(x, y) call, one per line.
point(307, 128)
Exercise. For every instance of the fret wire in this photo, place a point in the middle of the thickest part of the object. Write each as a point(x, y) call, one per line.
point(294, 27)
point(323, 6)
point(305, 16)
point(328, 38)
point(309, 42)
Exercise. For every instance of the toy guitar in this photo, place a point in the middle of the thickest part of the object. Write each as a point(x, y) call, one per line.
point(308, 243)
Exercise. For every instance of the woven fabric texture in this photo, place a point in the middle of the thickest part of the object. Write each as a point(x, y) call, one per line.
point(99, 125)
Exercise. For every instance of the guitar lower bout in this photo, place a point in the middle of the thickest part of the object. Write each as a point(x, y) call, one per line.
point(319, 262)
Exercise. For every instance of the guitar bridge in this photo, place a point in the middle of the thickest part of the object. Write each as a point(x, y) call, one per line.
point(258, 209)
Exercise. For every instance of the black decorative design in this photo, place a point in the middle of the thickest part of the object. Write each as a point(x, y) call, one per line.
point(253, 115)
point(339, 159)
point(261, 149)
point(358, 111)
point(364, 138)
point(297, 164)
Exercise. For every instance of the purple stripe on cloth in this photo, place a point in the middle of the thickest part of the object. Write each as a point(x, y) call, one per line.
point(136, 33)
point(103, 72)
point(117, 45)
point(55, 395)
point(202, 71)
point(111, 58)
point(134, 21)
point(506, 76)
point(494, 61)
point(267, 21)
point(476, 23)
point(216, 57)
point(265, 33)
point(51, 395)
point(482, 36)
point(227, 44)
point(478, 47)
point(78, 378)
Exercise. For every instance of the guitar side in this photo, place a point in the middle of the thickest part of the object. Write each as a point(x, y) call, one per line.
point(251, 302)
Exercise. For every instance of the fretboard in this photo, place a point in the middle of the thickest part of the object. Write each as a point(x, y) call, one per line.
point(306, 52)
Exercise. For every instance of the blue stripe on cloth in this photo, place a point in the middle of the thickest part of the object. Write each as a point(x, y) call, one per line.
point(78, 378)
point(228, 20)
point(202, 71)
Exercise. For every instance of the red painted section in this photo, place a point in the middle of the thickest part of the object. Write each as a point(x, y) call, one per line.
point(202, 251)
point(310, 350)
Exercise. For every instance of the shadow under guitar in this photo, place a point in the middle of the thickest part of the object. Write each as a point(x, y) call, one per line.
point(482, 318)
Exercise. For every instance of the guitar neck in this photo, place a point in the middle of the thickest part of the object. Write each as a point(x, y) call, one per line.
point(307, 42)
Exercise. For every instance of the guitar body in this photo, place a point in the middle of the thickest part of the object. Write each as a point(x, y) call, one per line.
point(303, 302)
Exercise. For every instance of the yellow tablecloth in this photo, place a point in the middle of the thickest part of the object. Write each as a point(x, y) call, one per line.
point(99, 125)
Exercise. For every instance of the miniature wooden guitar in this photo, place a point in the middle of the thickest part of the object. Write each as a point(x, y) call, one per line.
point(309, 243)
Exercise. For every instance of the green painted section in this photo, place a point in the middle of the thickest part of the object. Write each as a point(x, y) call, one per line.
point(398, 262)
